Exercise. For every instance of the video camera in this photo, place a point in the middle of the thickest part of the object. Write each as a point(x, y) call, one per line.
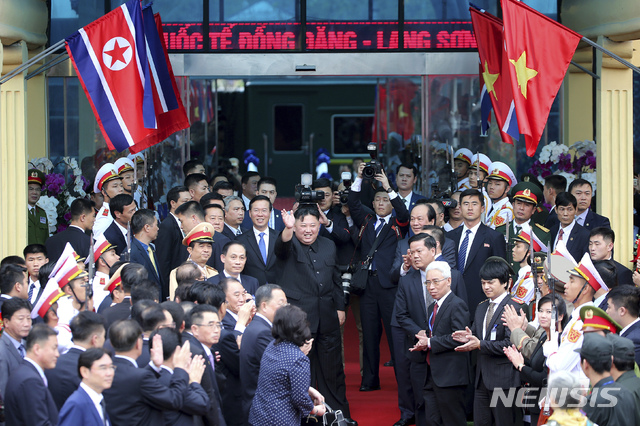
point(303, 192)
point(374, 166)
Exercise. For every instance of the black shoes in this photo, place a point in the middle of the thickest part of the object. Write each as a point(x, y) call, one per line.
point(405, 422)
point(388, 363)
point(364, 388)
point(350, 421)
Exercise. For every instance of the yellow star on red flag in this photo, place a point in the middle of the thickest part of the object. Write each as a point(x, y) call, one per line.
point(489, 79)
point(523, 73)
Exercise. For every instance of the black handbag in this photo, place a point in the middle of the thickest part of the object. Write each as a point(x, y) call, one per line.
point(330, 418)
point(361, 268)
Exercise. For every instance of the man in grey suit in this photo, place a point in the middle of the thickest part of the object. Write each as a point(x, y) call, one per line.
point(16, 314)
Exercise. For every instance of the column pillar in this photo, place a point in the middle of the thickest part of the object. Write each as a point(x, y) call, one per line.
point(13, 154)
point(614, 137)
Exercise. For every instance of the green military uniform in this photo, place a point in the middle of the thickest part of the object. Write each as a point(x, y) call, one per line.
point(38, 227)
point(541, 213)
point(529, 193)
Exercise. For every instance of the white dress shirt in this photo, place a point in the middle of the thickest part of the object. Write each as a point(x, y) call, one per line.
point(266, 238)
point(472, 235)
point(565, 234)
point(96, 398)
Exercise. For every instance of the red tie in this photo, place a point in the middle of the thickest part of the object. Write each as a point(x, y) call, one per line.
point(560, 235)
point(433, 318)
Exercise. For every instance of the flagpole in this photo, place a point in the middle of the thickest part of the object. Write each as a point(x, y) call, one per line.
point(32, 61)
point(611, 54)
point(583, 69)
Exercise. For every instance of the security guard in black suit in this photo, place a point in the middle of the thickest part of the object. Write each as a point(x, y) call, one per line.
point(376, 303)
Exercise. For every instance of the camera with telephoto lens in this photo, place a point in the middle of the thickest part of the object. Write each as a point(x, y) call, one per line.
point(344, 194)
point(373, 167)
point(303, 192)
point(346, 272)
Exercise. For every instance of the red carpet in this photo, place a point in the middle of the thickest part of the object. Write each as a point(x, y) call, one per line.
point(369, 408)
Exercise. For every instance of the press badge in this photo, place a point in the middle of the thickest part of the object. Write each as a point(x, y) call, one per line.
point(492, 336)
point(43, 220)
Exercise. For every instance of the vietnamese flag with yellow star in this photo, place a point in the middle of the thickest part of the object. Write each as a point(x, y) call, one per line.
point(539, 50)
point(494, 71)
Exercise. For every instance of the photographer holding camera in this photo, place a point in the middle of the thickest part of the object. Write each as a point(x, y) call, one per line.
point(376, 303)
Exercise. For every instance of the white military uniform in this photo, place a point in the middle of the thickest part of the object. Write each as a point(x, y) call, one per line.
point(523, 290)
point(501, 213)
point(100, 280)
point(563, 357)
point(103, 220)
point(464, 184)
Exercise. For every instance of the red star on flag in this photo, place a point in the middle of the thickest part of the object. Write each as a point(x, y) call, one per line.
point(117, 53)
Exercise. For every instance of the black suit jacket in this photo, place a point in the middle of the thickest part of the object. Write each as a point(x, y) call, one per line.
point(255, 266)
point(594, 220)
point(255, 340)
point(249, 283)
point(624, 274)
point(80, 241)
point(136, 397)
point(340, 235)
point(209, 383)
point(219, 240)
point(113, 234)
point(229, 366)
point(62, 381)
point(577, 242)
point(535, 373)
point(385, 253)
point(552, 219)
point(226, 231)
point(633, 334)
point(403, 246)
point(119, 311)
point(169, 249)
point(453, 315)
point(27, 401)
point(486, 243)
point(313, 286)
point(493, 367)
point(141, 256)
point(196, 403)
point(410, 312)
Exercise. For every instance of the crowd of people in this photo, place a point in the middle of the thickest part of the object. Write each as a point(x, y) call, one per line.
point(229, 312)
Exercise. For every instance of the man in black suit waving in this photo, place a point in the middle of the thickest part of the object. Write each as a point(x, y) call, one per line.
point(475, 243)
point(443, 391)
point(489, 336)
point(311, 281)
point(376, 303)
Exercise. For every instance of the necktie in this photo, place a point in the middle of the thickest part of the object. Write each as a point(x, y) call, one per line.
point(406, 202)
point(560, 235)
point(32, 211)
point(487, 319)
point(263, 248)
point(238, 232)
point(152, 257)
point(103, 405)
point(462, 253)
point(518, 229)
point(379, 226)
point(32, 286)
point(22, 351)
point(213, 365)
point(433, 318)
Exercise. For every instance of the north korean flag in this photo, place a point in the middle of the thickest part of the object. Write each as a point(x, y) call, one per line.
point(110, 58)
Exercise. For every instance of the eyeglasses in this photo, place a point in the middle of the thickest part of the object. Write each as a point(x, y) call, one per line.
point(104, 368)
point(217, 325)
point(428, 282)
